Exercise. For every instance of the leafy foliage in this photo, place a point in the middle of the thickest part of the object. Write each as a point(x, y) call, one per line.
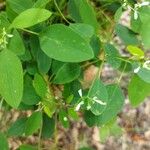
point(46, 47)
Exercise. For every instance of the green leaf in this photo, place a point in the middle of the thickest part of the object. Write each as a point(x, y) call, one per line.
point(90, 118)
point(82, 12)
point(30, 17)
point(112, 56)
point(145, 34)
point(43, 61)
point(110, 129)
point(40, 85)
point(135, 51)
point(3, 21)
point(41, 3)
point(144, 74)
point(33, 123)
point(63, 118)
point(143, 88)
point(142, 26)
point(144, 14)
point(49, 107)
point(27, 147)
point(104, 133)
point(98, 90)
point(30, 97)
point(48, 127)
point(19, 6)
point(3, 142)
point(135, 23)
point(84, 30)
point(11, 78)
point(118, 14)
point(73, 114)
point(70, 46)
point(126, 35)
point(17, 128)
point(67, 73)
point(16, 44)
point(114, 106)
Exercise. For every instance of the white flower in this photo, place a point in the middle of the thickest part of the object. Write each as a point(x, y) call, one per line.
point(80, 92)
point(144, 4)
point(137, 6)
point(88, 107)
point(10, 35)
point(65, 119)
point(4, 37)
point(125, 3)
point(99, 101)
point(79, 105)
point(136, 70)
point(135, 14)
point(146, 65)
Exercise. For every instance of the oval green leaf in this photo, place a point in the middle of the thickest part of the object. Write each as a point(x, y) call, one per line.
point(11, 78)
point(62, 43)
point(30, 17)
point(33, 123)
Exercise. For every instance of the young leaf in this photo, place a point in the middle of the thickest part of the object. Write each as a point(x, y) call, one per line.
point(30, 17)
point(135, 51)
point(67, 73)
point(143, 88)
point(49, 107)
point(3, 142)
point(99, 91)
point(40, 85)
point(11, 78)
point(70, 46)
point(33, 123)
point(17, 128)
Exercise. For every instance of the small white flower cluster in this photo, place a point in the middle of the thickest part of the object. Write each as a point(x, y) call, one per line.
point(95, 99)
point(146, 65)
point(137, 6)
point(3, 39)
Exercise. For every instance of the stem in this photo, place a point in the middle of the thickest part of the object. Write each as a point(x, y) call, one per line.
point(1, 103)
point(121, 75)
point(60, 12)
point(101, 67)
point(90, 63)
point(55, 133)
point(40, 134)
point(29, 31)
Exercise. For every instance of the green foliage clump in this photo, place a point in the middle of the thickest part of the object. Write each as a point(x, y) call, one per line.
point(45, 48)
